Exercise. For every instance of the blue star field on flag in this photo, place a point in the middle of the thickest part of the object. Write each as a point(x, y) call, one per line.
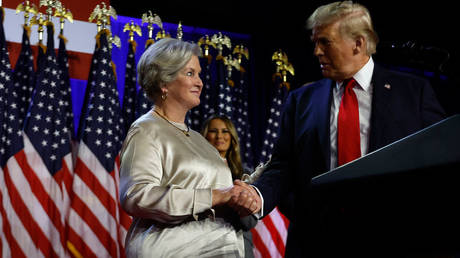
point(241, 116)
point(271, 133)
point(10, 123)
point(102, 128)
point(208, 97)
point(225, 91)
point(45, 123)
point(89, 85)
point(143, 103)
point(24, 75)
point(130, 90)
point(66, 92)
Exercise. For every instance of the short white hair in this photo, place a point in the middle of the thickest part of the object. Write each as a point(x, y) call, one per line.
point(161, 62)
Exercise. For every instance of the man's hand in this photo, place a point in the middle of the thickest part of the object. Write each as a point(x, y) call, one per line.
point(245, 199)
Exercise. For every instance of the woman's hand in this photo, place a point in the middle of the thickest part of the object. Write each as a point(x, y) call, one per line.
point(221, 196)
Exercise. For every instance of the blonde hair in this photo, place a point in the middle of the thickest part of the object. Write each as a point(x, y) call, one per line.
point(233, 155)
point(355, 21)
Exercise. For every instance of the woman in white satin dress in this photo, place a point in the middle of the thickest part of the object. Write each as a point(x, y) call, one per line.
point(172, 181)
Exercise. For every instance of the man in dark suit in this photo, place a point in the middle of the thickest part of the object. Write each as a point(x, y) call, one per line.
point(333, 121)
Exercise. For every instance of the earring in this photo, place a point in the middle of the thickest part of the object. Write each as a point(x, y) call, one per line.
point(164, 95)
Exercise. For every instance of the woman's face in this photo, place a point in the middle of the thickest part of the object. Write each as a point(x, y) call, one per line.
point(185, 90)
point(219, 136)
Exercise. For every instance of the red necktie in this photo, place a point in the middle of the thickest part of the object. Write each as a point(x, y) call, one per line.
point(348, 136)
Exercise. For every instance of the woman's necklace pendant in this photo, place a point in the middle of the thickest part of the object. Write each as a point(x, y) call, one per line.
point(186, 132)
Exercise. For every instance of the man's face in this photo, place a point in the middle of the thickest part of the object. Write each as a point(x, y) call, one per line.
point(336, 54)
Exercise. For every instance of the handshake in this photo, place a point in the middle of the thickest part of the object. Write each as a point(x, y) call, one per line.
point(242, 197)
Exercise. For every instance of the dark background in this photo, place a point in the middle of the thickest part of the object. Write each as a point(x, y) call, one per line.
point(282, 25)
point(415, 37)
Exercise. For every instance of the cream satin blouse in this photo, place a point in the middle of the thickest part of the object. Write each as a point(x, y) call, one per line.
point(165, 184)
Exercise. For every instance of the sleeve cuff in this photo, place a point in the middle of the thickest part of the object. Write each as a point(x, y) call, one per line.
point(202, 201)
point(259, 214)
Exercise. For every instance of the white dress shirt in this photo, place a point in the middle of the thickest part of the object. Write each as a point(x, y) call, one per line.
point(363, 91)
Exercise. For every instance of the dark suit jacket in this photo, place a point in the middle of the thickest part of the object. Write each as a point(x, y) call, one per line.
point(303, 147)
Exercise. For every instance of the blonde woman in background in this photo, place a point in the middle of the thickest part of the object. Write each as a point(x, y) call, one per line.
point(221, 133)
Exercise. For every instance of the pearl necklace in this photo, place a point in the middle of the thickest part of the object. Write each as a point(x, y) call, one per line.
point(186, 132)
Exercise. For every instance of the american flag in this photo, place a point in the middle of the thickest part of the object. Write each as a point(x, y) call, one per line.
point(208, 96)
point(269, 235)
point(89, 85)
point(66, 108)
point(90, 82)
point(241, 117)
point(225, 91)
point(143, 104)
point(23, 74)
point(271, 133)
point(63, 62)
point(41, 55)
point(194, 118)
point(97, 225)
point(130, 90)
point(10, 143)
point(37, 168)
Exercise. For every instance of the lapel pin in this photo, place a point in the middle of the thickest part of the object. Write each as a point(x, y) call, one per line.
point(387, 86)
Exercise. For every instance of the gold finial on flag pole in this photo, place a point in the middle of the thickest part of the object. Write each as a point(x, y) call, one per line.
point(62, 13)
point(115, 40)
point(241, 51)
point(95, 15)
point(180, 33)
point(50, 5)
point(206, 43)
point(40, 21)
point(283, 66)
point(150, 20)
point(220, 41)
point(229, 63)
point(102, 16)
point(131, 27)
point(28, 8)
point(162, 34)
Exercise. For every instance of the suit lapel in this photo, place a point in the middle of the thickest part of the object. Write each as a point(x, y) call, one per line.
point(382, 90)
point(323, 104)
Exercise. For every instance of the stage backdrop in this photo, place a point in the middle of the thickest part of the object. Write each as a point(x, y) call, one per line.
point(224, 93)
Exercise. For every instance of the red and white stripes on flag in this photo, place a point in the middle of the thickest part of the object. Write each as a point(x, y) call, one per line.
point(97, 224)
point(36, 165)
point(270, 234)
point(35, 215)
point(33, 207)
point(94, 220)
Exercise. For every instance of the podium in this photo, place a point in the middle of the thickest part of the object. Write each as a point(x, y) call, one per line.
point(404, 196)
